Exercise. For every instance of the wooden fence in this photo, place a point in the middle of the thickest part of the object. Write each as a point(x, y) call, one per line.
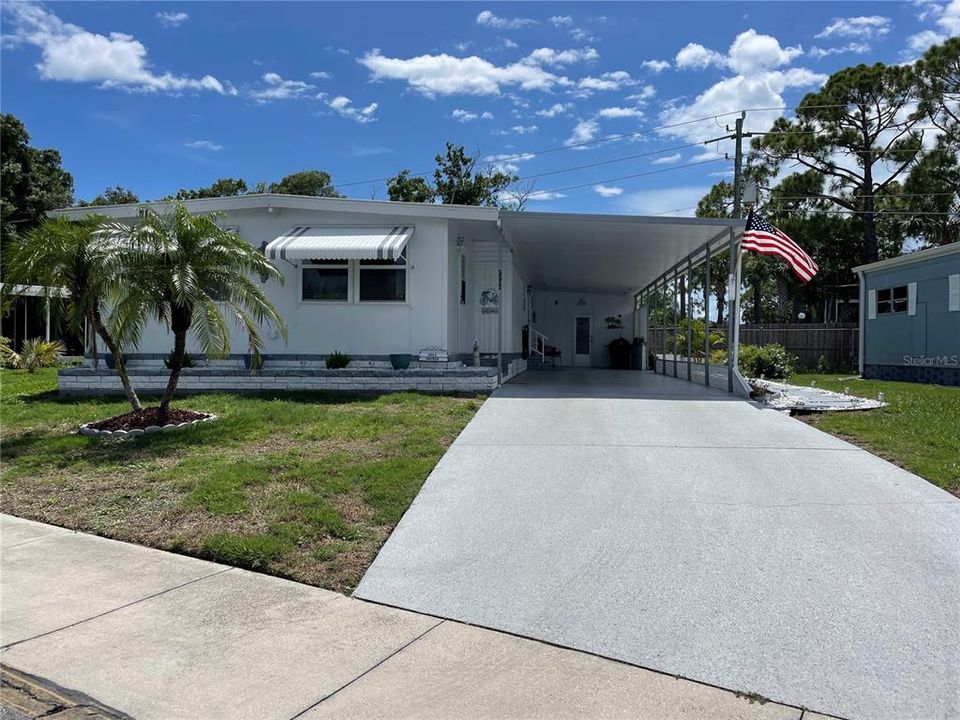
point(838, 343)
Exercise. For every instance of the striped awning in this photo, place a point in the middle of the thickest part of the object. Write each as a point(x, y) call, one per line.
point(340, 243)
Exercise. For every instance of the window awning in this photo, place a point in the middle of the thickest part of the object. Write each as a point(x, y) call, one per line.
point(340, 243)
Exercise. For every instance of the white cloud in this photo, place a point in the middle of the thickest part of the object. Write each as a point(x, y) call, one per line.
point(465, 116)
point(919, 43)
point(561, 20)
point(581, 35)
point(517, 130)
point(607, 190)
point(69, 53)
point(204, 145)
point(655, 66)
point(448, 75)
point(583, 131)
point(757, 90)
point(664, 201)
point(864, 26)
point(619, 112)
point(321, 75)
point(344, 106)
point(549, 56)
point(276, 88)
point(696, 56)
point(857, 48)
point(463, 46)
point(507, 163)
point(644, 94)
point(947, 18)
point(749, 53)
point(554, 110)
point(172, 19)
point(607, 81)
point(488, 19)
point(540, 195)
point(510, 44)
point(667, 159)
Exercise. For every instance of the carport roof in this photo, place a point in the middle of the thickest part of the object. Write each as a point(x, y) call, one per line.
point(605, 253)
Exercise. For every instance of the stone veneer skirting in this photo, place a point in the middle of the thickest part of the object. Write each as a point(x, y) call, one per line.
point(88, 381)
point(913, 373)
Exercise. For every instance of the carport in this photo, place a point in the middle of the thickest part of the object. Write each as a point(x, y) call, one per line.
point(619, 261)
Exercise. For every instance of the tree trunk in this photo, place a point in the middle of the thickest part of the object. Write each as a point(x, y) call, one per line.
point(118, 362)
point(721, 302)
point(870, 251)
point(179, 324)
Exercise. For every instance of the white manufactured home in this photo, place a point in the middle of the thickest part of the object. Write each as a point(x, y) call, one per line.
point(391, 283)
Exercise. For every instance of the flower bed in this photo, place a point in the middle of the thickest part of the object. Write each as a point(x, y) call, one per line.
point(138, 422)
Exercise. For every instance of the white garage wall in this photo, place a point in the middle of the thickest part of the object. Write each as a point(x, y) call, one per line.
point(357, 329)
point(555, 313)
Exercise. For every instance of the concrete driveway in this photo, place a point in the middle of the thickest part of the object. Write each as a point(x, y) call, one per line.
point(653, 521)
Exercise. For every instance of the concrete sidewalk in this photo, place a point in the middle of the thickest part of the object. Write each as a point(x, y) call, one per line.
point(654, 521)
point(157, 635)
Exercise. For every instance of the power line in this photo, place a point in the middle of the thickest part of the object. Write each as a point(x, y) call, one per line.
point(623, 177)
point(852, 197)
point(572, 146)
point(859, 212)
point(609, 162)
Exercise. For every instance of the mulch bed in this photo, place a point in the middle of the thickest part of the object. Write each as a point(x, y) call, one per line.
point(141, 419)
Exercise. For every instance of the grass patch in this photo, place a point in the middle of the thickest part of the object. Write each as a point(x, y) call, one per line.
point(918, 430)
point(301, 485)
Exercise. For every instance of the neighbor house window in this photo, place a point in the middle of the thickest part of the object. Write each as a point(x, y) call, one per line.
point(383, 280)
point(326, 280)
point(892, 300)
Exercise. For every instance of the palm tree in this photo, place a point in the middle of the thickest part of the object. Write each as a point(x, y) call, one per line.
point(185, 270)
point(70, 255)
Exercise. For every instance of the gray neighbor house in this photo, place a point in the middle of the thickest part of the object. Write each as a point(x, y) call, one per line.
point(910, 317)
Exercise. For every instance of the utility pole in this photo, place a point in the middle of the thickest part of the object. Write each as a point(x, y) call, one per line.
point(733, 284)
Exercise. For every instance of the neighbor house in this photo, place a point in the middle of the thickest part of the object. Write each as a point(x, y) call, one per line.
point(387, 282)
point(910, 317)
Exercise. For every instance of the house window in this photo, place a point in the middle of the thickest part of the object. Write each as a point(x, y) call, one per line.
point(329, 281)
point(383, 280)
point(892, 300)
point(463, 279)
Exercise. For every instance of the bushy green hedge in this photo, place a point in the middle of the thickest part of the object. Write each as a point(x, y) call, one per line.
point(771, 361)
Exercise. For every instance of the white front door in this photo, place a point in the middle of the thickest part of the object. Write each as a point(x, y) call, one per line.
point(582, 340)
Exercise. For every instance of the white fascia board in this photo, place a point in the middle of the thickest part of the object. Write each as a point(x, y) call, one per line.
point(293, 202)
point(909, 259)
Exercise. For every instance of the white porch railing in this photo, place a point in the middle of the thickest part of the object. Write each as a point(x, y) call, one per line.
point(538, 344)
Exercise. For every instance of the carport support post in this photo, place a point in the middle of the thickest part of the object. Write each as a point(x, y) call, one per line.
point(500, 305)
point(689, 319)
point(673, 304)
point(706, 319)
point(733, 311)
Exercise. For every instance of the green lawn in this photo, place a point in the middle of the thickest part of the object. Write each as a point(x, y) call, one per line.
point(306, 485)
point(919, 430)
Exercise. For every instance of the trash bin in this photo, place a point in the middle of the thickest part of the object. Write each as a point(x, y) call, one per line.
point(636, 354)
point(620, 354)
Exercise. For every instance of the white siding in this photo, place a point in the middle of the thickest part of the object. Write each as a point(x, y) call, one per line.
point(555, 313)
point(354, 328)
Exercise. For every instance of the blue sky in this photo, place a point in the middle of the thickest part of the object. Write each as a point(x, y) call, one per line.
point(159, 96)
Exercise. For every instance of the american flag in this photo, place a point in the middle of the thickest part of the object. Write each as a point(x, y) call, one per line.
point(762, 237)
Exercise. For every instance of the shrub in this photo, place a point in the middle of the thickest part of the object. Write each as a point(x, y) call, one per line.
point(188, 361)
point(37, 353)
point(337, 360)
point(697, 337)
point(8, 357)
point(772, 361)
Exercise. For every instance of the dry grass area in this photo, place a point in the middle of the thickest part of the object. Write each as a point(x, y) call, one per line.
point(306, 486)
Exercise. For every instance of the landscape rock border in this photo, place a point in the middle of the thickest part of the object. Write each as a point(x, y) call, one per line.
point(88, 431)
